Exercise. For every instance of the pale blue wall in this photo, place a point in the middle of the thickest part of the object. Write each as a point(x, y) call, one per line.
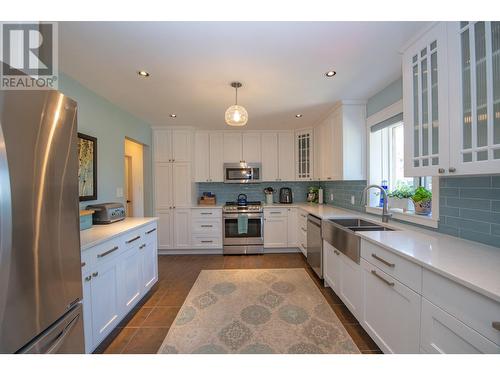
point(384, 98)
point(110, 124)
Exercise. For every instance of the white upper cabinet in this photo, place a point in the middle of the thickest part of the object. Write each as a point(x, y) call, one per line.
point(341, 138)
point(304, 154)
point(286, 157)
point(232, 147)
point(269, 156)
point(251, 150)
point(425, 102)
point(216, 157)
point(474, 50)
point(202, 157)
point(172, 145)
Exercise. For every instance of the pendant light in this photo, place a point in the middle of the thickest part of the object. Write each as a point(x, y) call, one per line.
point(236, 115)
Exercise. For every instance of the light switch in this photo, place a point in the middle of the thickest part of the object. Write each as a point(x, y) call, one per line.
point(353, 200)
point(119, 192)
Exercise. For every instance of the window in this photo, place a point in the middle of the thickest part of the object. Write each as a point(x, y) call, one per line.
point(387, 169)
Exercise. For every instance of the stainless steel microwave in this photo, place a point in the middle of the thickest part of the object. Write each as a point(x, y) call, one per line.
point(242, 173)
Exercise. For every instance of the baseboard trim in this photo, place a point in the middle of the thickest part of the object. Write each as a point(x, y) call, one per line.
point(220, 251)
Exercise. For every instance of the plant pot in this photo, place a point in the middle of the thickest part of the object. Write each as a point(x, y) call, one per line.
point(423, 207)
point(405, 204)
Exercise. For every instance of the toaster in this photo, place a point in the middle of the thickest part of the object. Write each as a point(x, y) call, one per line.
point(107, 213)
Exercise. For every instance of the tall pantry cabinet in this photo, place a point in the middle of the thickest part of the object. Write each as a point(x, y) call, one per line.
point(173, 186)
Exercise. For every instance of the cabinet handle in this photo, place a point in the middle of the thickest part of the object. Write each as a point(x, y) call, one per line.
point(275, 212)
point(142, 246)
point(107, 252)
point(207, 226)
point(452, 169)
point(206, 213)
point(207, 241)
point(83, 264)
point(173, 207)
point(496, 325)
point(383, 260)
point(304, 246)
point(133, 239)
point(151, 231)
point(303, 229)
point(329, 178)
point(336, 252)
point(88, 278)
point(381, 278)
point(304, 216)
point(441, 170)
point(95, 274)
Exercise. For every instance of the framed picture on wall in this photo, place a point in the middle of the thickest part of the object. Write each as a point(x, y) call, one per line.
point(87, 167)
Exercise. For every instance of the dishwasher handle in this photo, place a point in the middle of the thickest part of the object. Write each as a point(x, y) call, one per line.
point(314, 220)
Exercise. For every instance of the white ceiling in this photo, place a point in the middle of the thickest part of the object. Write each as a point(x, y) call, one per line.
point(281, 66)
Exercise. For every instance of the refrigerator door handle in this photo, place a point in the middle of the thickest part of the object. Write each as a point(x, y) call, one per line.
point(5, 226)
point(59, 340)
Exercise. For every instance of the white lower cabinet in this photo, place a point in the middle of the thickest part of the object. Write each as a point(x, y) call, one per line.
point(275, 231)
point(206, 228)
point(116, 274)
point(391, 311)
point(174, 228)
point(331, 266)
point(444, 334)
point(293, 234)
point(282, 228)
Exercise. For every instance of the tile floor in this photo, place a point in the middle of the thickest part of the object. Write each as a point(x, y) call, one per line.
point(144, 329)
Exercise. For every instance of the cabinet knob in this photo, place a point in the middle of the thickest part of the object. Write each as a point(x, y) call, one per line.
point(95, 274)
point(452, 169)
point(88, 278)
point(441, 170)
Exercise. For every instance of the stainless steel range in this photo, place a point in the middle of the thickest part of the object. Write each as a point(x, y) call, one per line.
point(243, 228)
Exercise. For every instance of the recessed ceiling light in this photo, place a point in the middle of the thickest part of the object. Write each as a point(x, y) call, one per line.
point(331, 73)
point(298, 115)
point(143, 73)
point(173, 115)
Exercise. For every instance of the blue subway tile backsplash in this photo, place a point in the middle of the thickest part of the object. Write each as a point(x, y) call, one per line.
point(469, 207)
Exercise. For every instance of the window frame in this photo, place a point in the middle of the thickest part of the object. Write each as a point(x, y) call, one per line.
point(411, 217)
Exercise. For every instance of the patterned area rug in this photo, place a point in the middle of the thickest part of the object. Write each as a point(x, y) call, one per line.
point(255, 312)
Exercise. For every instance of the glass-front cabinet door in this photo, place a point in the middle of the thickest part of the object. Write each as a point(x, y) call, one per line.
point(475, 104)
point(304, 154)
point(425, 93)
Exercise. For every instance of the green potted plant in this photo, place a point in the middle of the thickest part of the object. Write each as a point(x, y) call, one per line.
point(422, 199)
point(401, 197)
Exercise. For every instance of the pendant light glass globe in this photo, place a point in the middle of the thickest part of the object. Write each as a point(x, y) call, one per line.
point(236, 115)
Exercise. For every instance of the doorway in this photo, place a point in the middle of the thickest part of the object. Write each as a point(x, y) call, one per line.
point(134, 178)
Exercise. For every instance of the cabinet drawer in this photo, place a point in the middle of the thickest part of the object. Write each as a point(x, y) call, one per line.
point(442, 333)
point(149, 232)
point(303, 239)
point(206, 226)
point(275, 212)
point(108, 250)
point(302, 218)
point(206, 213)
point(133, 238)
point(207, 242)
point(471, 308)
point(401, 269)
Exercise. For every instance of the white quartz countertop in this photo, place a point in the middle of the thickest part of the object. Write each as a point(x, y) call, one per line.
point(100, 233)
point(471, 264)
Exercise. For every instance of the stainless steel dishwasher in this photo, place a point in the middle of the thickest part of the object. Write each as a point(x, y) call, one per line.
point(315, 245)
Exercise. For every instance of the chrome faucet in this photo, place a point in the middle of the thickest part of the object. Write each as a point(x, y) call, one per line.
point(385, 212)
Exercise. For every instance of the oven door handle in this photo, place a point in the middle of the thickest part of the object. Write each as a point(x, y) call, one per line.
point(250, 216)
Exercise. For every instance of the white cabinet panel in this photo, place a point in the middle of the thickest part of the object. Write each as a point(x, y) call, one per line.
point(275, 231)
point(87, 301)
point(332, 266)
point(391, 311)
point(162, 143)
point(251, 147)
point(181, 179)
point(149, 256)
point(304, 155)
point(163, 185)
point(165, 229)
point(351, 276)
point(293, 234)
point(286, 156)
point(105, 300)
point(216, 157)
point(232, 147)
point(130, 285)
point(181, 145)
point(442, 333)
point(201, 156)
point(182, 228)
point(269, 156)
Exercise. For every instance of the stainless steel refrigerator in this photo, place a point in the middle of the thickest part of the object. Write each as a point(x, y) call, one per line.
point(40, 263)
